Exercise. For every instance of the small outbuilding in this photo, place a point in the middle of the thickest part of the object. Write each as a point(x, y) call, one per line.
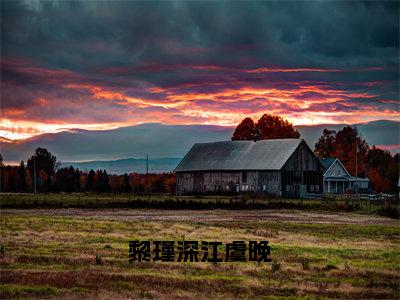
point(279, 167)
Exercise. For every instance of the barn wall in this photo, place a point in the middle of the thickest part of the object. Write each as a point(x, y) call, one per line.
point(231, 182)
point(184, 183)
point(302, 173)
point(221, 181)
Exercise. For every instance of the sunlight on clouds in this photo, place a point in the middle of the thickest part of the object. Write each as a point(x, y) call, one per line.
point(15, 130)
point(204, 101)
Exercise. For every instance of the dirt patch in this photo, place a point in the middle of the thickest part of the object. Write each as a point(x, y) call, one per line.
point(295, 216)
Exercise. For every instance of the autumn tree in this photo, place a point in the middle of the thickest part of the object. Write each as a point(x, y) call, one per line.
point(45, 166)
point(267, 127)
point(244, 131)
point(383, 171)
point(325, 145)
point(347, 140)
point(170, 184)
point(275, 127)
point(380, 183)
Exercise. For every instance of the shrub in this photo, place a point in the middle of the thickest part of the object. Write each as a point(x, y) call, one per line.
point(330, 266)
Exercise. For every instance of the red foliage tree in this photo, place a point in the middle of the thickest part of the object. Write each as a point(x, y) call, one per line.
point(267, 127)
point(383, 170)
point(275, 127)
point(345, 149)
point(381, 184)
point(244, 131)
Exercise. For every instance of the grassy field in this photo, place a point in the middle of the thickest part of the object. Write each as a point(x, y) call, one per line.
point(48, 253)
point(243, 201)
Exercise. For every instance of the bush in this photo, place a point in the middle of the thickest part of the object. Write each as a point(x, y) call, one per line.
point(392, 212)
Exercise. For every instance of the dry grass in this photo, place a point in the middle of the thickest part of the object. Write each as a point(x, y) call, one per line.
point(54, 256)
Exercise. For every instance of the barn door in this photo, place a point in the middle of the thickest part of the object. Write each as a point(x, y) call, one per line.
point(302, 190)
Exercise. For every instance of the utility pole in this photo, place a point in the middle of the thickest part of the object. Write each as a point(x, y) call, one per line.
point(34, 173)
point(356, 188)
point(147, 172)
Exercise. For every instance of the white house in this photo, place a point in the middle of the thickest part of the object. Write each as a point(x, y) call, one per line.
point(337, 180)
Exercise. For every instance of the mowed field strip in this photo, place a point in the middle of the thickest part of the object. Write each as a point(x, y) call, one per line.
point(83, 253)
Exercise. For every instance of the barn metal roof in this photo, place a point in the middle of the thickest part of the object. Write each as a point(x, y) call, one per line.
point(239, 155)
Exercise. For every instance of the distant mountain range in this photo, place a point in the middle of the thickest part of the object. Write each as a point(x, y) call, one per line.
point(164, 144)
point(127, 165)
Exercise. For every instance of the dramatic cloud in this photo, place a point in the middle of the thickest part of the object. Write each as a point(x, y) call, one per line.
point(103, 65)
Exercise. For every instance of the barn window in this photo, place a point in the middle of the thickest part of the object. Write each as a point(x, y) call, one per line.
point(227, 187)
point(264, 188)
point(244, 176)
point(317, 188)
point(312, 188)
point(287, 188)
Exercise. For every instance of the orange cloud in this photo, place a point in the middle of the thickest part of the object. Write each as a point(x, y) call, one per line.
point(218, 100)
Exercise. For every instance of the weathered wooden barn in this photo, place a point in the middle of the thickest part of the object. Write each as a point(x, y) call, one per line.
point(280, 167)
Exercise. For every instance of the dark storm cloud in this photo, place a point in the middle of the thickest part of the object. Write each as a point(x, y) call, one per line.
point(75, 35)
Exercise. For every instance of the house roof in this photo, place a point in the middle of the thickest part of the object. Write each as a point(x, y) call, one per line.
point(239, 155)
point(328, 162)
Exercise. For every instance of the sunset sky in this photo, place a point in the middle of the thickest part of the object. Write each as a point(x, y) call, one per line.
point(101, 65)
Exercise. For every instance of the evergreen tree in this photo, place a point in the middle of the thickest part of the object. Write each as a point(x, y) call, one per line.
point(21, 178)
point(127, 184)
point(90, 187)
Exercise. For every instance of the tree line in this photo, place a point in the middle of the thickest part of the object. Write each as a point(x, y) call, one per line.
point(51, 178)
point(378, 165)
